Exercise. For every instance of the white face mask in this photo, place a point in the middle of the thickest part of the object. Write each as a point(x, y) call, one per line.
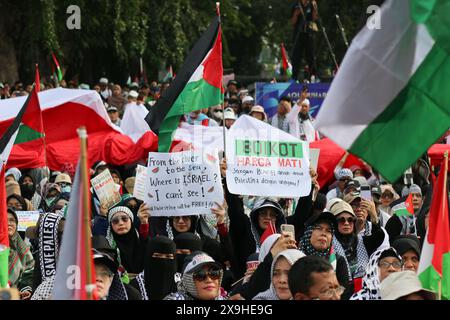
point(218, 114)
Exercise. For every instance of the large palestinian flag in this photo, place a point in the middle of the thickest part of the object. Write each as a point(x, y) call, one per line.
point(390, 96)
point(27, 126)
point(198, 85)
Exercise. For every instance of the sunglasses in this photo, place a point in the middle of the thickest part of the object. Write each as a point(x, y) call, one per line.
point(116, 220)
point(201, 275)
point(343, 220)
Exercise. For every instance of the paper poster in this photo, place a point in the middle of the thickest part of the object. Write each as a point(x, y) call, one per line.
point(183, 183)
point(106, 189)
point(139, 184)
point(314, 158)
point(27, 219)
point(265, 161)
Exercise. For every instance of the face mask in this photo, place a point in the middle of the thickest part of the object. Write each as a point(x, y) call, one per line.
point(66, 189)
point(49, 201)
point(218, 114)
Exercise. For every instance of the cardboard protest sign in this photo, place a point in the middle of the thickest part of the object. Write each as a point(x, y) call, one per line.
point(265, 161)
point(183, 183)
point(27, 219)
point(139, 184)
point(106, 189)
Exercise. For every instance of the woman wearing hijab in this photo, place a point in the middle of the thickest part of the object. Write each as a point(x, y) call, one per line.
point(49, 194)
point(317, 241)
point(122, 235)
point(186, 243)
point(16, 202)
point(20, 260)
point(388, 195)
point(381, 263)
point(28, 189)
point(158, 278)
point(201, 279)
point(279, 285)
point(353, 247)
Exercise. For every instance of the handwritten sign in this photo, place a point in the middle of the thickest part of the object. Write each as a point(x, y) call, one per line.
point(183, 183)
point(27, 219)
point(265, 161)
point(106, 189)
point(139, 185)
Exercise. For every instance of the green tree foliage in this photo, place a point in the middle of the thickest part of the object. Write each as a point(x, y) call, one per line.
point(115, 33)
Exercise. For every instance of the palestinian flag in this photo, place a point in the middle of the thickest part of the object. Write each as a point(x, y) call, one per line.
point(287, 66)
point(76, 248)
point(169, 75)
point(404, 209)
point(58, 68)
point(198, 85)
point(27, 126)
point(434, 267)
point(270, 230)
point(392, 79)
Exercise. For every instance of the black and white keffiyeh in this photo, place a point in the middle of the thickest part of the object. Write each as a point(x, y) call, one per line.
point(48, 244)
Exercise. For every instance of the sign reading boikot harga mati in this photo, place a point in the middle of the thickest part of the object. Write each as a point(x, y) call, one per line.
point(183, 183)
point(265, 161)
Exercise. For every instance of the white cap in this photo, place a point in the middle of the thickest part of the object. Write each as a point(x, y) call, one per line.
point(229, 114)
point(403, 283)
point(248, 99)
point(103, 81)
point(133, 94)
point(307, 102)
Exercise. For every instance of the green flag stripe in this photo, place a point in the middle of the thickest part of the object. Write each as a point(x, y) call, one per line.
point(4, 276)
point(195, 96)
point(27, 134)
point(412, 122)
point(430, 278)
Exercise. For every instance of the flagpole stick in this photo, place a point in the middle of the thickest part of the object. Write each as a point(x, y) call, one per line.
point(223, 102)
point(82, 133)
point(444, 199)
point(47, 168)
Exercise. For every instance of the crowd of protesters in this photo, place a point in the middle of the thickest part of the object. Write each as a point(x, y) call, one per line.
point(346, 245)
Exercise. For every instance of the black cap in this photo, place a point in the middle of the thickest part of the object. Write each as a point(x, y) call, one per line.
point(322, 216)
point(353, 183)
point(405, 243)
point(106, 259)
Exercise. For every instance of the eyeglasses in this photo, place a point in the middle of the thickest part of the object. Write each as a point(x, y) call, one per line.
point(356, 205)
point(343, 220)
point(330, 292)
point(322, 229)
point(344, 179)
point(201, 275)
point(116, 220)
point(387, 265)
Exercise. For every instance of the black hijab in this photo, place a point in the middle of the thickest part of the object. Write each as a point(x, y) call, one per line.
point(131, 250)
point(27, 190)
point(20, 199)
point(159, 273)
point(186, 240)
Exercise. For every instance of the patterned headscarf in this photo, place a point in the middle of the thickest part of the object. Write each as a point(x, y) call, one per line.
point(371, 281)
point(307, 247)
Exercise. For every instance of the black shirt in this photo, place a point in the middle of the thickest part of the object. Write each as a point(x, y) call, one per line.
point(303, 22)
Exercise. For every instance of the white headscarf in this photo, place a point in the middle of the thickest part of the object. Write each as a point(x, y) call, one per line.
point(291, 255)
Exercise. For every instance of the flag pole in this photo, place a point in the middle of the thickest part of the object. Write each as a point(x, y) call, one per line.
point(37, 87)
point(445, 168)
point(223, 102)
point(82, 133)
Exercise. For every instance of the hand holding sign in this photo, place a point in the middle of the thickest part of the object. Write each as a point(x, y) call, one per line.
point(143, 213)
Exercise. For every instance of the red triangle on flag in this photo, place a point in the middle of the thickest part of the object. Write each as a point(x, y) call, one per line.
point(409, 204)
point(270, 230)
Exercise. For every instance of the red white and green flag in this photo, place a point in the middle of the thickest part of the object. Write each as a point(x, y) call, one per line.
point(391, 79)
point(287, 66)
point(404, 209)
point(198, 85)
point(434, 266)
point(27, 126)
point(58, 67)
